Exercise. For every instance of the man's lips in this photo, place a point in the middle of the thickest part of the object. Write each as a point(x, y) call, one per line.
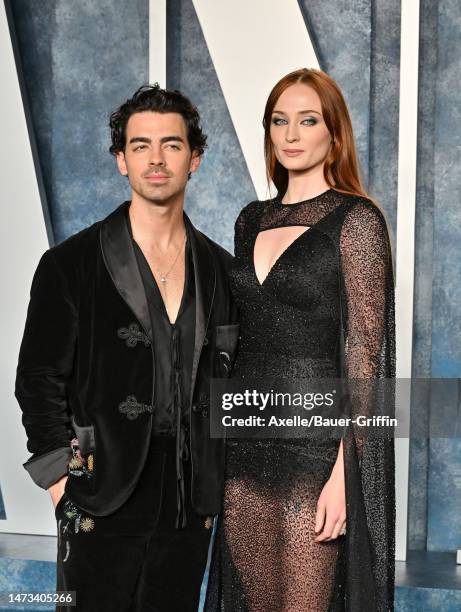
point(157, 177)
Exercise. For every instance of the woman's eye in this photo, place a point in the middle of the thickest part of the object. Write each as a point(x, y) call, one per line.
point(307, 121)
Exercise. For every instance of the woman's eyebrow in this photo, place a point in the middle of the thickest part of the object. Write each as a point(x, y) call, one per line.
point(302, 112)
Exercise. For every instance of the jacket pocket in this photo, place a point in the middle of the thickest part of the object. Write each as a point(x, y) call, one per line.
point(83, 449)
point(226, 345)
point(86, 437)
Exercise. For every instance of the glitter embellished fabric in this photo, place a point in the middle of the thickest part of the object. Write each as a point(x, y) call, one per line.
point(325, 309)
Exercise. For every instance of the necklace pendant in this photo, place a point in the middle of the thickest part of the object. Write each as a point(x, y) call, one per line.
point(162, 279)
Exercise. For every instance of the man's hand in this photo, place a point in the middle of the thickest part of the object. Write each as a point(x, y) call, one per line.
point(57, 490)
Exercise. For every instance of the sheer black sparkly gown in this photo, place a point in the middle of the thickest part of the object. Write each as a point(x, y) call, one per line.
point(326, 307)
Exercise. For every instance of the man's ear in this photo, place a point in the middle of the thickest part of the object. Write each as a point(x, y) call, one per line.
point(195, 161)
point(121, 163)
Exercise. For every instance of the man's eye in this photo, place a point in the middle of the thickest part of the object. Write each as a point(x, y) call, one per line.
point(139, 147)
point(278, 121)
point(173, 146)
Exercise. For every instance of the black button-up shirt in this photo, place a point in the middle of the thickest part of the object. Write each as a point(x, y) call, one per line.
point(173, 348)
point(173, 345)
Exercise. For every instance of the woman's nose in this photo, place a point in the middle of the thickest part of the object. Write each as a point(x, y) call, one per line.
point(291, 133)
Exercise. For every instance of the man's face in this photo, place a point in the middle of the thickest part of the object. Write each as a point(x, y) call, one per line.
point(157, 157)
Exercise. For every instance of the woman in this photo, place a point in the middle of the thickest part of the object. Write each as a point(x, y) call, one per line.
point(314, 283)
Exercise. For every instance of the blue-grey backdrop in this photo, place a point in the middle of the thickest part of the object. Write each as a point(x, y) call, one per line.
point(82, 59)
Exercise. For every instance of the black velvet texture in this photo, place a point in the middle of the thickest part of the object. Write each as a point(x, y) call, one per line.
point(73, 362)
point(135, 560)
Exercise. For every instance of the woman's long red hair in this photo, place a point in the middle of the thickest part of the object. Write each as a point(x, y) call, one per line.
point(341, 168)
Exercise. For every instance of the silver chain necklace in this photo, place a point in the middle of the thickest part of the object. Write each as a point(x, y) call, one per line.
point(164, 277)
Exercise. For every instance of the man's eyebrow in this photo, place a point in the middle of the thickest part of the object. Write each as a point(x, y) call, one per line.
point(302, 112)
point(162, 140)
point(168, 138)
point(140, 139)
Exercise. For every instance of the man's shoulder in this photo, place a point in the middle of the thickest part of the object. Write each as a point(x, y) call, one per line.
point(86, 240)
point(77, 240)
point(72, 251)
point(219, 252)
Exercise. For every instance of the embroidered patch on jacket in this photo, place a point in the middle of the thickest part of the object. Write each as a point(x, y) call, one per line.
point(80, 465)
point(132, 335)
point(75, 519)
point(131, 408)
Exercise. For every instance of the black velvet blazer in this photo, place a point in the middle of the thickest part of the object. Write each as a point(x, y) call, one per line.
point(86, 365)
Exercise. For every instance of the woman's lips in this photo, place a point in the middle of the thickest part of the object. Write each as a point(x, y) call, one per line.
point(293, 152)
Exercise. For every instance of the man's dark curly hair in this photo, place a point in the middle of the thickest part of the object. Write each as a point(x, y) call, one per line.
point(154, 98)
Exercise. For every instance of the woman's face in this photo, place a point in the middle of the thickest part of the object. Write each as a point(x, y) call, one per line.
point(298, 132)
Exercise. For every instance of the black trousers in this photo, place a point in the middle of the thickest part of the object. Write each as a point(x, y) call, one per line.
point(135, 560)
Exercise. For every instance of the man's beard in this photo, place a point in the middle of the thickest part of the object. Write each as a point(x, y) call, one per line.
point(154, 195)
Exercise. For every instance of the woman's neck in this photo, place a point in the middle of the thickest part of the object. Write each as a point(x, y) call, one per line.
point(304, 186)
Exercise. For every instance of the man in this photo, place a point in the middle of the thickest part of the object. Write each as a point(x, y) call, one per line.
point(127, 323)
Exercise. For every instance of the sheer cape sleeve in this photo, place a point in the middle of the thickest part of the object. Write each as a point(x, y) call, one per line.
point(368, 314)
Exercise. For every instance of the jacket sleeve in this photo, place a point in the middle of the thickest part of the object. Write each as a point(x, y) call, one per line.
point(45, 365)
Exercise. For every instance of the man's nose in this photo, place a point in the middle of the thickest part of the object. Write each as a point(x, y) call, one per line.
point(156, 157)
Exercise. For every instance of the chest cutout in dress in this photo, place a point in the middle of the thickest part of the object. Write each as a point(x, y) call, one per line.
point(270, 245)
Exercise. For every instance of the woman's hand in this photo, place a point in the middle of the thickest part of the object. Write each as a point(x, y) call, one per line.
point(57, 490)
point(330, 519)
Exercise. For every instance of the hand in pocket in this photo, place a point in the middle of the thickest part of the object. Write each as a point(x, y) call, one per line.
point(57, 490)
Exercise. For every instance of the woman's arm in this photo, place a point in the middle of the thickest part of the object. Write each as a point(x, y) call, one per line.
point(366, 264)
point(369, 364)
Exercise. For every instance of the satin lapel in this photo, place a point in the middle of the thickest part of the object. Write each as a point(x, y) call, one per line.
point(205, 285)
point(120, 259)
